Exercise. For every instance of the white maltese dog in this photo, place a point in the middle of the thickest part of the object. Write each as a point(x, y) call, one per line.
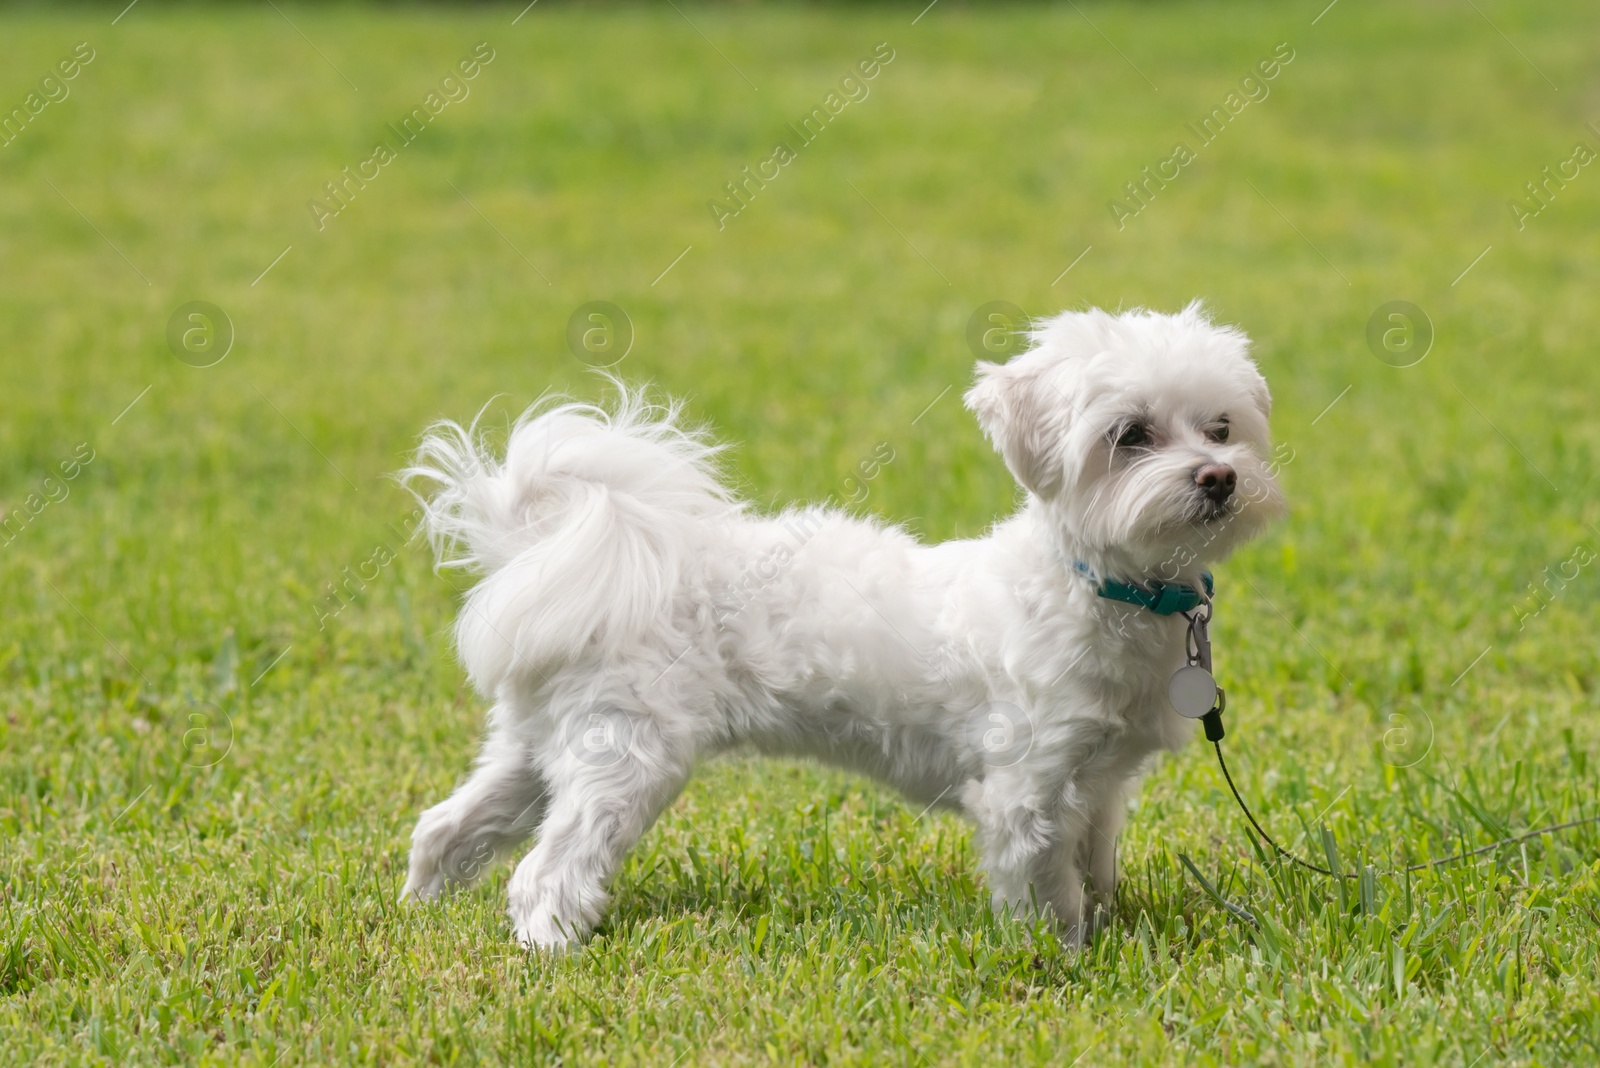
point(633, 617)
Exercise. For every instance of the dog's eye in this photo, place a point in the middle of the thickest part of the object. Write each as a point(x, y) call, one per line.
point(1219, 433)
point(1134, 436)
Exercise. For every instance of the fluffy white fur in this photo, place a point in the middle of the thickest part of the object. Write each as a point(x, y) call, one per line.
point(633, 618)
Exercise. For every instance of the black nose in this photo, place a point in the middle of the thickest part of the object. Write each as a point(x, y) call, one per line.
point(1216, 481)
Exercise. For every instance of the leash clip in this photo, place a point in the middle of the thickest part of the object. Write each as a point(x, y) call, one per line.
point(1198, 640)
point(1193, 691)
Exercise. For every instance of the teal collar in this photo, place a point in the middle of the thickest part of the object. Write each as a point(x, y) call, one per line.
point(1162, 598)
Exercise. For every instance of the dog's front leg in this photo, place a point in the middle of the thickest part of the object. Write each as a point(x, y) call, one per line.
point(1083, 857)
point(1104, 828)
point(1029, 856)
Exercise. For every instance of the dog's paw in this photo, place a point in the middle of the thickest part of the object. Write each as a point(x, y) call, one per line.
point(429, 874)
point(442, 859)
point(422, 886)
point(542, 932)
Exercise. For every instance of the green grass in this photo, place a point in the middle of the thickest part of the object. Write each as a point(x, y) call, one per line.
point(159, 911)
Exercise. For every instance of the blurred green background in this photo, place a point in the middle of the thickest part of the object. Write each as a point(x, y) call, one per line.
point(206, 783)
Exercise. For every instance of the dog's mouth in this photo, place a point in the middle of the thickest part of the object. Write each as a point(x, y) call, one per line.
point(1207, 511)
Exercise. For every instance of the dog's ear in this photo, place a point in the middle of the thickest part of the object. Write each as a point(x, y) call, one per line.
point(1238, 346)
point(1260, 393)
point(1007, 400)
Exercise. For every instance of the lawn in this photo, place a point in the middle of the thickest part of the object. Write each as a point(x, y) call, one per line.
point(225, 674)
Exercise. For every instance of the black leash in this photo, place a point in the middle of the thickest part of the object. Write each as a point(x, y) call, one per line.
point(1194, 693)
point(1424, 866)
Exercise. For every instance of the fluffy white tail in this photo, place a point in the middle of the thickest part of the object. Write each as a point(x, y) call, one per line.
point(581, 532)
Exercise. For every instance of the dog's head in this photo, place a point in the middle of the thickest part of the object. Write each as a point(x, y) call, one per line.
point(1144, 436)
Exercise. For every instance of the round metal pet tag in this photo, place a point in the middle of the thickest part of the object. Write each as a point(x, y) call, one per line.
point(1192, 691)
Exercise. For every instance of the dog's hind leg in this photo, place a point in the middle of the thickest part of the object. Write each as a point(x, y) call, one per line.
point(608, 783)
point(497, 807)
